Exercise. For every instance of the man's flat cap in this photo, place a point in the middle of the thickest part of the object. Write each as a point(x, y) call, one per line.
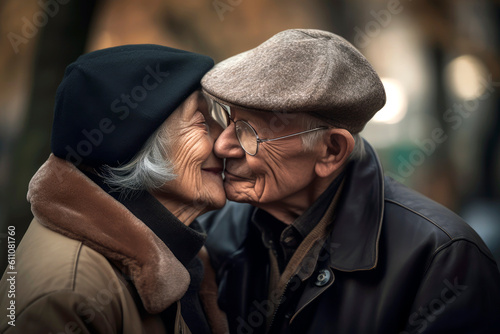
point(110, 101)
point(301, 70)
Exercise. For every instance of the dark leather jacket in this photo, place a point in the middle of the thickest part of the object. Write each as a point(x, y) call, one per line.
point(394, 262)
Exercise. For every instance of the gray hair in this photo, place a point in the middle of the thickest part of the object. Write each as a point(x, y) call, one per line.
point(149, 169)
point(309, 140)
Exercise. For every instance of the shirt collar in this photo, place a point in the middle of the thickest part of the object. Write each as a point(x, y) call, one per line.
point(285, 239)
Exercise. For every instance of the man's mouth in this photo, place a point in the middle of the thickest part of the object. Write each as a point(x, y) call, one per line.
point(231, 176)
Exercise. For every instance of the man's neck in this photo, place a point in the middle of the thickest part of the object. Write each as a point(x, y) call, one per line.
point(290, 208)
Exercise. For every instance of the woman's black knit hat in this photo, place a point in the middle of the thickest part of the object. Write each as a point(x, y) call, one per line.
point(110, 101)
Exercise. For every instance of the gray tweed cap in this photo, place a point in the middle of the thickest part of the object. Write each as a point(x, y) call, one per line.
point(301, 70)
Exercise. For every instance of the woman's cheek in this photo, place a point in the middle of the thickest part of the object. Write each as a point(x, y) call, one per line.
point(206, 146)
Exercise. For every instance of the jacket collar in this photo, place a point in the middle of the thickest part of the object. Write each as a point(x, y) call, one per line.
point(184, 241)
point(354, 240)
point(65, 200)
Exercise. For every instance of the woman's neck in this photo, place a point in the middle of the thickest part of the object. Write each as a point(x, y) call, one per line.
point(185, 213)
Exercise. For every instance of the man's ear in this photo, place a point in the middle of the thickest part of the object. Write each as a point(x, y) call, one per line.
point(337, 146)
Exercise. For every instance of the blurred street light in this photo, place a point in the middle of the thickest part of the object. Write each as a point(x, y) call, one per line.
point(396, 105)
point(464, 76)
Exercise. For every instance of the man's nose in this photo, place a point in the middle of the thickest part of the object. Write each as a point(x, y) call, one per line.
point(227, 145)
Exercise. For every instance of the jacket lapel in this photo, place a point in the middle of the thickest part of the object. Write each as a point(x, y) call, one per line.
point(356, 230)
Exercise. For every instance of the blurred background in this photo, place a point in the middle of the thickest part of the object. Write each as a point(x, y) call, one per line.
point(439, 61)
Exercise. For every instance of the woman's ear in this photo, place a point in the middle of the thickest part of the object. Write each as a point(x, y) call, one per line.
point(337, 146)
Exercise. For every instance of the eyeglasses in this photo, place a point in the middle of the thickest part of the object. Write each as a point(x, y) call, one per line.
point(247, 136)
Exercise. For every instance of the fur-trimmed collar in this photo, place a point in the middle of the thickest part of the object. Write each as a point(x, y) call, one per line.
point(63, 199)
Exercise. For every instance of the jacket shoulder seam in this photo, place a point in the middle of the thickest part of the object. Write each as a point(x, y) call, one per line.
point(420, 215)
point(446, 245)
point(452, 239)
point(449, 244)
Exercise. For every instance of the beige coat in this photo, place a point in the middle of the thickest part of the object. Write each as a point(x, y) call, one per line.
point(70, 265)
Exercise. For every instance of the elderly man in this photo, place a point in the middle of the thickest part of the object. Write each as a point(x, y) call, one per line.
point(324, 242)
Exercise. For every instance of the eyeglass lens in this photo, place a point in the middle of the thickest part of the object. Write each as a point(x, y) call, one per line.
point(247, 137)
point(220, 114)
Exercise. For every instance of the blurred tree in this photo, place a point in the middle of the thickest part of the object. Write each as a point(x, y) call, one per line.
point(60, 42)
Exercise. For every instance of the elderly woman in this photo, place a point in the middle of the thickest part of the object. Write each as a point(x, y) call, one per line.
point(113, 244)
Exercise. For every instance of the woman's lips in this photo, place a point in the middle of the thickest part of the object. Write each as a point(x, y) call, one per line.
point(215, 170)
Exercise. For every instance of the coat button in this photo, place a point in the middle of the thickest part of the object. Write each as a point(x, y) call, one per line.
point(323, 277)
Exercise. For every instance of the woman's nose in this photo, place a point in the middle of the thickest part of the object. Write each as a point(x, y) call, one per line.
point(227, 145)
point(215, 130)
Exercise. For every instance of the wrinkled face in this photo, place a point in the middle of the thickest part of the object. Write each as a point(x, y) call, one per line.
point(279, 172)
point(192, 133)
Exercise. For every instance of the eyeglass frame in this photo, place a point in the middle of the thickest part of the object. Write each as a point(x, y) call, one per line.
point(227, 110)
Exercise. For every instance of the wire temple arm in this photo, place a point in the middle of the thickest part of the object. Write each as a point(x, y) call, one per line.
point(293, 134)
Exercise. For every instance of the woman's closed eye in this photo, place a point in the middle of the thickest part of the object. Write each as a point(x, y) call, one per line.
point(200, 120)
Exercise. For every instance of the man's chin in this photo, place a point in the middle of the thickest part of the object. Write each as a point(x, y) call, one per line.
point(236, 195)
point(231, 194)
